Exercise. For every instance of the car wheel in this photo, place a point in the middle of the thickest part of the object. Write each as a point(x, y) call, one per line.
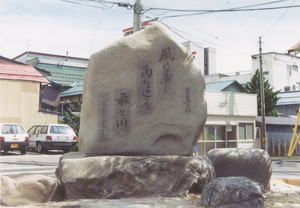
point(23, 150)
point(66, 150)
point(40, 148)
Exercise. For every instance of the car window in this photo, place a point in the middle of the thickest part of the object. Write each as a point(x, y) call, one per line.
point(44, 130)
point(37, 130)
point(13, 129)
point(31, 130)
point(59, 130)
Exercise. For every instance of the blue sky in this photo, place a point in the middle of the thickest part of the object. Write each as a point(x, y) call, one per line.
point(56, 26)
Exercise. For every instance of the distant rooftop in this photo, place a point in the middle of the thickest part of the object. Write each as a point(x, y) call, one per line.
point(63, 75)
point(278, 121)
point(230, 86)
point(34, 58)
point(289, 98)
point(10, 70)
point(74, 90)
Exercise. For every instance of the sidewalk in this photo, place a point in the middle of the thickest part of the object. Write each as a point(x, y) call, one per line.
point(287, 169)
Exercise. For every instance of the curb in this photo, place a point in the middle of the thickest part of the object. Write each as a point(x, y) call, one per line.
point(291, 164)
point(291, 181)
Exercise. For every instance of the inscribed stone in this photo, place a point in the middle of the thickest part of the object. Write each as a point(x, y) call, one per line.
point(143, 95)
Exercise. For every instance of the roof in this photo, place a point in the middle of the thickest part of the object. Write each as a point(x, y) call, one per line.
point(228, 85)
point(63, 75)
point(289, 98)
point(47, 54)
point(282, 121)
point(13, 71)
point(75, 90)
point(272, 53)
point(294, 48)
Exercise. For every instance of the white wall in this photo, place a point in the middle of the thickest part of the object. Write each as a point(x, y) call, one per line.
point(275, 70)
point(199, 55)
point(229, 103)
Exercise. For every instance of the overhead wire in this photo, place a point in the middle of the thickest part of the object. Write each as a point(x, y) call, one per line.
point(278, 20)
point(201, 12)
point(177, 32)
point(76, 2)
point(212, 10)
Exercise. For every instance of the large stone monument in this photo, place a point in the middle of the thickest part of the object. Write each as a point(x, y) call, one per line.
point(143, 110)
point(142, 95)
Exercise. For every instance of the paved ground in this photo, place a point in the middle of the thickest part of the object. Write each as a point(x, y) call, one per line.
point(286, 168)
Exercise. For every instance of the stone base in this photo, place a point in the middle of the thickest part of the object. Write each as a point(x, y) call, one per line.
point(114, 177)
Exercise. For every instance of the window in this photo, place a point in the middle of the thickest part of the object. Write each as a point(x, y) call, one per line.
point(31, 131)
point(295, 68)
point(12, 129)
point(38, 129)
point(44, 130)
point(59, 129)
point(246, 131)
point(289, 70)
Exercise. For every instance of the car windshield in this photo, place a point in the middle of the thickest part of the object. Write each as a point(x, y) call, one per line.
point(13, 129)
point(60, 130)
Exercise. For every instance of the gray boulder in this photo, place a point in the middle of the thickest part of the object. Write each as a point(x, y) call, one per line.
point(116, 177)
point(27, 189)
point(143, 95)
point(233, 192)
point(255, 164)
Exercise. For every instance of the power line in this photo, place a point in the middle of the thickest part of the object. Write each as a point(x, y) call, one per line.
point(197, 10)
point(75, 2)
point(201, 12)
point(177, 32)
point(279, 19)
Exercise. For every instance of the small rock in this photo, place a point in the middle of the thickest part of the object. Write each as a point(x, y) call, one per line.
point(27, 189)
point(233, 192)
point(255, 164)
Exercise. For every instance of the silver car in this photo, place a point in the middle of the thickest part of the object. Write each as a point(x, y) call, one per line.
point(51, 136)
point(13, 137)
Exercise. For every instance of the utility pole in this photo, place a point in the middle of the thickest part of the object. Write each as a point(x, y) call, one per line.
point(137, 18)
point(262, 100)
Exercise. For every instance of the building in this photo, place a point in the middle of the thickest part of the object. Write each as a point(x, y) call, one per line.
point(230, 121)
point(230, 118)
point(279, 131)
point(289, 103)
point(281, 70)
point(20, 92)
point(64, 72)
point(204, 57)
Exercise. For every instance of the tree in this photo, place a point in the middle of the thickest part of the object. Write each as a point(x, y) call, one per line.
point(72, 118)
point(271, 98)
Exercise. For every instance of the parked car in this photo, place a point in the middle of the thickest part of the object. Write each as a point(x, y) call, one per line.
point(13, 137)
point(45, 137)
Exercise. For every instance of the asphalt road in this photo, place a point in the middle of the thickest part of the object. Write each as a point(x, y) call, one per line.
point(13, 163)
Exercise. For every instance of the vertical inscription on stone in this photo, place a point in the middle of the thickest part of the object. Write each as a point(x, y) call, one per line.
point(145, 92)
point(103, 117)
point(166, 76)
point(122, 112)
point(187, 101)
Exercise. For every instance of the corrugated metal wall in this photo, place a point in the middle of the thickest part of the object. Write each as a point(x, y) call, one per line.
point(279, 138)
point(19, 103)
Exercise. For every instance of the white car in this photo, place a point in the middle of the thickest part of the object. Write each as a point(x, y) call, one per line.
point(51, 136)
point(13, 137)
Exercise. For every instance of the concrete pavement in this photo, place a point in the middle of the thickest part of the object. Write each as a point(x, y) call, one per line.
point(287, 169)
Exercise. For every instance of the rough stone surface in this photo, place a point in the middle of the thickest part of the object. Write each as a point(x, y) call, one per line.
point(233, 192)
point(131, 176)
point(27, 189)
point(143, 95)
point(255, 164)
